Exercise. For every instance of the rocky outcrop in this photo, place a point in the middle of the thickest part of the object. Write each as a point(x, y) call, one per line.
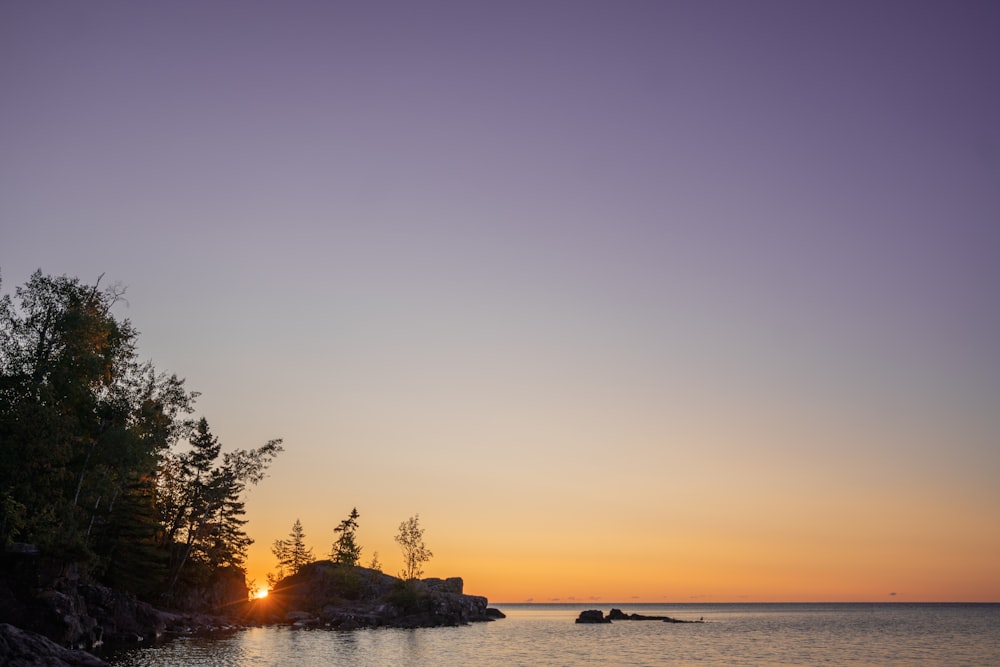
point(592, 616)
point(597, 616)
point(121, 618)
point(51, 598)
point(85, 617)
point(325, 594)
point(21, 648)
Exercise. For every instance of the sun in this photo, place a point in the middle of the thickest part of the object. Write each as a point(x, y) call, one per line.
point(262, 593)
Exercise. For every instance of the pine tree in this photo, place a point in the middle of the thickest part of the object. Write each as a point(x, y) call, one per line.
point(205, 499)
point(297, 553)
point(131, 559)
point(346, 550)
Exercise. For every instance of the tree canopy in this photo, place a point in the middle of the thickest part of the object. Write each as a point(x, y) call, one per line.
point(91, 468)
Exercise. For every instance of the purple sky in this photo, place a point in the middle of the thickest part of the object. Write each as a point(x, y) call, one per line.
point(552, 246)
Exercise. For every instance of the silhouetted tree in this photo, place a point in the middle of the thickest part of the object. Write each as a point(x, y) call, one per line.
point(292, 553)
point(346, 550)
point(80, 416)
point(130, 555)
point(280, 550)
point(415, 552)
point(86, 431)
point(204, 500)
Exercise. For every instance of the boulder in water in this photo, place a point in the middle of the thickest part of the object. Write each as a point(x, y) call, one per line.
point(592, 616)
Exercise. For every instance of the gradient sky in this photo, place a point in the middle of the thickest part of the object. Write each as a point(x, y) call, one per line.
point(662, 301)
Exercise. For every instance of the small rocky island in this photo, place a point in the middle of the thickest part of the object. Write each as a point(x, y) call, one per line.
point(327, 595)
point(597, 616)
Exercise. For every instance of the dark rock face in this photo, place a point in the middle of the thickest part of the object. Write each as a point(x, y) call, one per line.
point(121, 618)
point(226, 588)
point(592, 616)
point(449, 585)
point(323, 594)
point(48, 597)
point(87, 617)
point(495, 613)
point(20, 648)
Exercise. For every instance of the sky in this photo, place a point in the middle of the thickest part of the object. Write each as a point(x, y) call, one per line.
point(629, 301)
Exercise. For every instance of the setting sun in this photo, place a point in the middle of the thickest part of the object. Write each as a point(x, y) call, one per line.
point(262, 593)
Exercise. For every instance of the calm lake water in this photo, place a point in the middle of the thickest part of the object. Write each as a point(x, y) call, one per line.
point(546, 636)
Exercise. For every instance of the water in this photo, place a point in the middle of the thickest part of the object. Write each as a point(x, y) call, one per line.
point(546, 636)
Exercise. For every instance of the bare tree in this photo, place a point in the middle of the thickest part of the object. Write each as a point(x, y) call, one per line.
point(415, 552)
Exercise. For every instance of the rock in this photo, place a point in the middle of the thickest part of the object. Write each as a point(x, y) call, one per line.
point(302, 619)
point(592, 616)
point(63, 618)
point(120, 617)
point(345, 597)
point(51, 597)
point(21, 648)
point(293, 616)
point(619, 615)
point(22, 549)
point(495, 613)
point(449, 585)
point(226, 589)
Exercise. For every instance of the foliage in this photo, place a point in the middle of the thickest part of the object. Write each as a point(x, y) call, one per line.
point(202, 510)
point(407, 597)
point(80, 416)
point(415, 552)
point(87, 433)
point(346, 550)
point(344, 582)
point(131, 558)
point(291, 553)
point(375, 564)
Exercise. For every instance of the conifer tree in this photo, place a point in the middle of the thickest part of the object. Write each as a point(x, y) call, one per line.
point(296, 553)
point(346, 550)
point(130, 555)
point(206, 501)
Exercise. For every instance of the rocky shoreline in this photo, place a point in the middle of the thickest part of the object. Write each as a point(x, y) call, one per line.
point(61, 624)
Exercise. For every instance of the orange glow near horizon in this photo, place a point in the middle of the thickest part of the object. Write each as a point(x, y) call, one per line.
point(824, 548)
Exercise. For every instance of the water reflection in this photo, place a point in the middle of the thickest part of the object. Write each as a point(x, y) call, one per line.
point(545, 637)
